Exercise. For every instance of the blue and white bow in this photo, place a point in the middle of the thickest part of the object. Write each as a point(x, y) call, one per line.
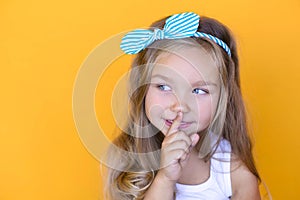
point(177, 26)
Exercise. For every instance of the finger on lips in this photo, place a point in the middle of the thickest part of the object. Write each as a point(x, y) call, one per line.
point(176, 123)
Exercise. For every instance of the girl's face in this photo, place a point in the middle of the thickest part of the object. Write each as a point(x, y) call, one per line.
point(188, 83)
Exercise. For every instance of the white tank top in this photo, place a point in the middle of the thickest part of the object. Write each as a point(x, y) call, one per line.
point(218, 185)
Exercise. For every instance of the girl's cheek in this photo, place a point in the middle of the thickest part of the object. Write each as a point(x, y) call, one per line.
point(165, 101)
point(155, 103)
point(204, 107)
point(156, 97)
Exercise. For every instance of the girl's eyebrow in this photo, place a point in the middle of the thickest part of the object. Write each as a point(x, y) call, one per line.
point(203, 83)
point(197, 83)
point(165, 78)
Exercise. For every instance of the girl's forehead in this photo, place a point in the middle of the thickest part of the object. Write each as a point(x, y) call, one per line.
point(190, 63)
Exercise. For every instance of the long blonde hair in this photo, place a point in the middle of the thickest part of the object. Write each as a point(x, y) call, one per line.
point(134, 156)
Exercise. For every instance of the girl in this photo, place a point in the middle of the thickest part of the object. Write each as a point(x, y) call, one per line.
point(186, 136)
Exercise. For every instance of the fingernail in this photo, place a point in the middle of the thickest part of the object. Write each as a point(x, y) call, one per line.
point(194, 136)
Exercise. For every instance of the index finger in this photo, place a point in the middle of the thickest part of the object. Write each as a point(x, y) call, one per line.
point(176, 123)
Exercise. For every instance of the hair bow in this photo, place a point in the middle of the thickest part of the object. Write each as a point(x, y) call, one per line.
point(177, 26)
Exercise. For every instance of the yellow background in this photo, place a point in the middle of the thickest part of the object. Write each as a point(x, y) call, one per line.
point(43, 44)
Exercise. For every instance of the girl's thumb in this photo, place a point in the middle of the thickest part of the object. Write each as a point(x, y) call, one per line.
point(195, 138)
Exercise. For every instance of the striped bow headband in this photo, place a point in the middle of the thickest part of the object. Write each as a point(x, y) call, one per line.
point(177, 26)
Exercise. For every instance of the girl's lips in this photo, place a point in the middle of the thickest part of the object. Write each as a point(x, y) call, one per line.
point(181, 126)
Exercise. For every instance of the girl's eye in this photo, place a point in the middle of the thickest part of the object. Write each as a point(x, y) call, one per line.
point(199, 91)
point(164, 87)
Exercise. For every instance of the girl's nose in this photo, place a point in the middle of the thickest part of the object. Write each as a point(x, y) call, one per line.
point(180, 105)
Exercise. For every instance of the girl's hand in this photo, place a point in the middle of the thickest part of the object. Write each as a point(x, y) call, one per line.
point(175, 151)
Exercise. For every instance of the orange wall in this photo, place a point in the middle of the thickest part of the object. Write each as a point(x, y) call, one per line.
point(43, 44)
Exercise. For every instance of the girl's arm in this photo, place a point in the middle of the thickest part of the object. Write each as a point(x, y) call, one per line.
point(161, 188)
point(244, 183)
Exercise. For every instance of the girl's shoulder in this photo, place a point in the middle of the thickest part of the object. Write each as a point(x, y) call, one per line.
point(244, 182)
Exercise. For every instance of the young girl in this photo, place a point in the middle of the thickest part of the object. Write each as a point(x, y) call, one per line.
point(186, 136)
